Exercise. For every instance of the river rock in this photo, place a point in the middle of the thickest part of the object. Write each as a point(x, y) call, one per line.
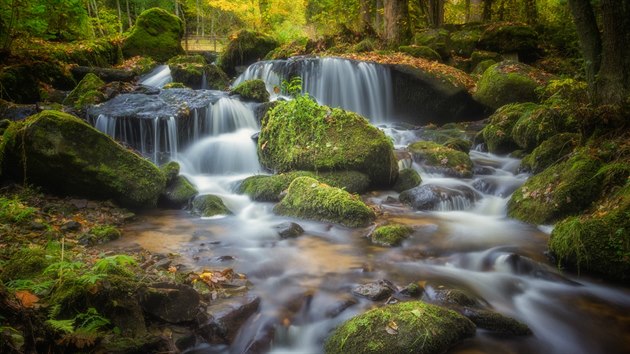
point(87, 92)
point(289, 230)
point(323, 139)
point(496, 185)
point(209, 205)
point(174, 303)
point(227, 316)
point(550, 151)
point(407, 178)
point(376, 291)
point(437, 158)
point(390, 235)
point(178, 193)
point(497, 134)
point(252, 90)
point(435, 197)
point(156, 34)
point(308, 198)
point(105, 74)
point(68, 157)
point(496, 322)
point(246, 48)
point(407, 327)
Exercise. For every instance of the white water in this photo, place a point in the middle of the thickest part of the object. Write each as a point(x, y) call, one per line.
point(158, 77)
point(466, 244)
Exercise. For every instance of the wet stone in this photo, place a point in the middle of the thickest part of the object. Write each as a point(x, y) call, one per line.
point(376, 291)
point(70, 226)
point(496, 322)
point(289, 230)
point(174, 303)
point(227, 317)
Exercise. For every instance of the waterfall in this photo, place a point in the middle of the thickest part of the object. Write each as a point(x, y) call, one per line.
point(159, 77)
point(228, 115)
point(365, 88)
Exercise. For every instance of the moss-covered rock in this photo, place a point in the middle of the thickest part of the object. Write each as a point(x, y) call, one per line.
point(479, 56)
point(458, 144)
point(509, 82)
point(537, 125)
point(22, 83)
point(441, 159)
point(496, 322)
point(511, 38)
point(174, 85)
point(559, 191)
point(69, 157)
point(550, 151)
point(254, 90)
point(246, 48)
point(24, 264)
point(170, 171)
point(188, 69)
point(308, 198)
point(390, 235)
point(156, 34)
point(464, 42)
point(407, 327)
point(481, 68)
point(87, 92)
point(101, 234)
point(302, 135)
point(209, 205)
point(178, 193)
point(498, 133)
point(420, 52)
point(436, 39)
point(597, 242)
point(366, 45)
point(216, 78)
point(407, 178)
point(287, 50)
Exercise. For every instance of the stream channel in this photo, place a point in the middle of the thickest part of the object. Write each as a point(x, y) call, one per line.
point(466, 242)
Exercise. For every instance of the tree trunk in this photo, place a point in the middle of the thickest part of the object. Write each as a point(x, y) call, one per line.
point(120, 25)
point(98, 19)
point(128, 14)
point(377, 17)
point(610, 82)
point(475, 10)
point(396, 17)
point(486, 14)
point(588, 34)
point(467, 11)
point(365, 17)
point(436, 12)
point(531, 12)
point(198, 27)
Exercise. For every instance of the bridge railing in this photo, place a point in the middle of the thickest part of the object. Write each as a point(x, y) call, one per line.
point(203, 43)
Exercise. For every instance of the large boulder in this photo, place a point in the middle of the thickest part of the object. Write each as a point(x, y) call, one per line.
point(497, 134)
point(193, 71)
point(437, 158)
point(550, 151)
point(246, 48)
point(209, 205)
point(407, 327)
point(509, 82)
point(302, 135)
point(309, 199)
point(508, 38)
point(538, 125)
point(436, 197)
point(156, 34)
point(88, 91)
point(254, 90)
point(597, 242)
point(67, 156)
point(23, 83)
point(559, 191)
point(463, 43)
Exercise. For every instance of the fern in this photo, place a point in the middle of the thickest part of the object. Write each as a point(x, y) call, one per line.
point(90, 278)
point(91, 321)
point(66, 326)
point(62, 266)
point(113, 263)
point(38, 288)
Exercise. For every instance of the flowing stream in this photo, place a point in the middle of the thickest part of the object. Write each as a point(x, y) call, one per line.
point(305, 283)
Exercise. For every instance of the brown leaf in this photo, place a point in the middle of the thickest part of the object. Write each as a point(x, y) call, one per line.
point(26, 298)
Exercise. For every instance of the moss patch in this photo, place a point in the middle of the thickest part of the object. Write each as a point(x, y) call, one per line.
point(156, 34)
point(536, 126)
point(511, 38)
point(420, 52)
point(209, 205)
point(245, 48)
point(498, 133)
point(178, 193)
point(550, 151)
point(88, 91)
point(254, 90)
point(407, 178)
point(559, 191)
point(390, 235)
point(302, 135)
point(308, 198)
point(408, 327)
point(442, 159)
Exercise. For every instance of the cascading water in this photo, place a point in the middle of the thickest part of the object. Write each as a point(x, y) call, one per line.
point(304, 283)
point(159, 77)
point(360, 87)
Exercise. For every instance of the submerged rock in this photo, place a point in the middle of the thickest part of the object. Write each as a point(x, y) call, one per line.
point(68, 157)
point(441, 159)
point(209, 205)
point(302, 135)
point(289, 230)
point(174, 303)
point(227, 316)
point(308, 198)
point(407, 327)
point(376, 291)
point(156, 34)
point(390, 235)
point(435, 197)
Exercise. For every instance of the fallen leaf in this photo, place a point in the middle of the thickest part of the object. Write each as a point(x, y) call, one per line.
point(26, 298)
point(417, 313)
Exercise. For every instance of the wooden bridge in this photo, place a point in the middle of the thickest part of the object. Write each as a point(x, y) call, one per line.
point(203, 43)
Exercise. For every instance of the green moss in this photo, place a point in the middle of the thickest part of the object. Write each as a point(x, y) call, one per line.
point(537, 125)
point(420, 52)
point(69, 157)
point(308, 198)
point(390, 235)
point(254, 90)
point(480, 56)
point(25, 264)
point(287, 50)
point(101, 234)
point(481, 68)
point(559, 191)
point(302, 135)
point(174, 85)
point(156, 34)
point(366, 45)
point(210, 205)
point(550, 151)
point(246, 48)
point(436, 39)
point(511, 38)
point(598, 242)
point(462, 145)
point(12, 211)
point(407, 178)
point(508, 82)
point(178, 193)
point(170, 171)
point(86, 92)
point(407, 327)
point(217, 79)
point(439, 157)
point(498, 133)
point(464, 42)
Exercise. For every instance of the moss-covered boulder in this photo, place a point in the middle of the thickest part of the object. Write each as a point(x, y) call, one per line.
point(170, 171)
point(24, 82)
point(509, 82)
point(178, 193)
point(459, 144)
point(441, 159)
point(550, 151)
point(508, 38)
point(287, 50)
point(599, 241)
point(436, 39)
point(559, 191)
point(188, 69)
point(407, 178)
point(497, 134)
point(69, 157)
point(309, 199)
point(88, 91)
point(481, 68)
point(209, 205)
point(302, 135)
point(479, 56)
point(421, 51)
point(464, 42)
point(407, 327)
point(156, 34)
point(390, 235)
point(254, 90)
point(216, 79)
point(245, 48)
point(174, 85)
point(537, 125)
point(100, 234)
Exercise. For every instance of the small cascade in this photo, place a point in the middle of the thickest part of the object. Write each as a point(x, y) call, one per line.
point(204, 80)
point(159, 77)
point(365, 88)
point(228, 115)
